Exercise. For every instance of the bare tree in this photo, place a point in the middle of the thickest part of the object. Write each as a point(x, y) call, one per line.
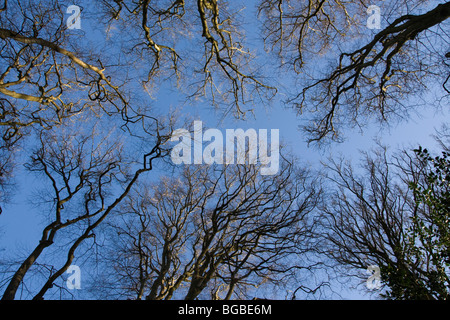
point(214, 232)
point(376, 79)
point(47, 77)
point(43, 81)
point(88, 178)
point(202, 46)
point(216, 63)
point(393, 214)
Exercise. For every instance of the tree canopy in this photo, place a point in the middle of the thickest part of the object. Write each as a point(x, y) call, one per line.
point(92, 92)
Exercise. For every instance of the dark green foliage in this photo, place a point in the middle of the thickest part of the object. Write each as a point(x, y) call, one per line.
point(424, 271)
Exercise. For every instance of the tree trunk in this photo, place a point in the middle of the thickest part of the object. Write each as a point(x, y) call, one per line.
point(14, 284)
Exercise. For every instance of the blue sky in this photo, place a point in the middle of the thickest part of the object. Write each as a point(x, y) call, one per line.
point(20, 226)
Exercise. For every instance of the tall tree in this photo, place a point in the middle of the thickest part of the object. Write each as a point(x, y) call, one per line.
point(394, 214)
point(214, 232)
point(348, 73)
point(83, 179)
point(343, 74)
